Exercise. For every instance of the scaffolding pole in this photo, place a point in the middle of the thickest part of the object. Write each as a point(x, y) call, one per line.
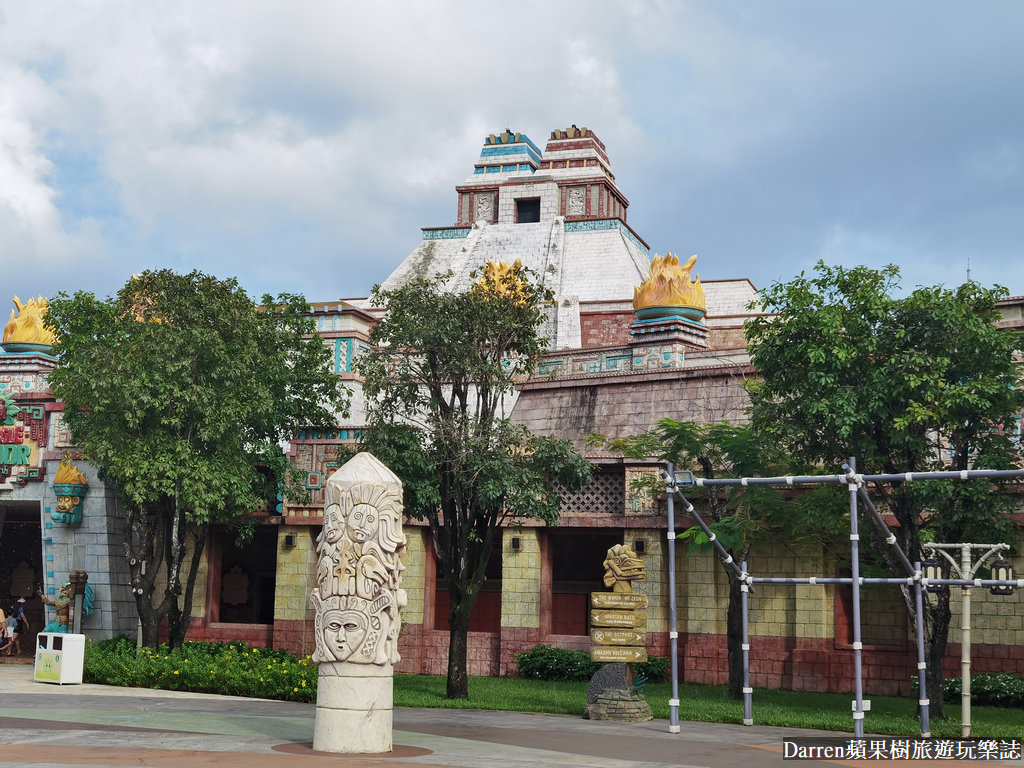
point(673, 634)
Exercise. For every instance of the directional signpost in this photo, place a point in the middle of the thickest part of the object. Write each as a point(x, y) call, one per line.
point(617, 618)
point(617, 631)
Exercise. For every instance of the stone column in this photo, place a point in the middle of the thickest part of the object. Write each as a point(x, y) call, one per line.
point(357, 598)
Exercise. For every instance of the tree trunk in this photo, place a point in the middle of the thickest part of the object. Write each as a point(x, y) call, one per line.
point(458, 675)
point(935, 641)
point(198, 545)
point(139, 551)
point(734, 637)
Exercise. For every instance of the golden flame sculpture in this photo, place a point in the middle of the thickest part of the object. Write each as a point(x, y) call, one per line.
point(27, 326)
point(504, 280)
point(67, 473)
point(669, 285)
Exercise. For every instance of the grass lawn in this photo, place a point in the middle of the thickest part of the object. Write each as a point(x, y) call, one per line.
point(704, 703)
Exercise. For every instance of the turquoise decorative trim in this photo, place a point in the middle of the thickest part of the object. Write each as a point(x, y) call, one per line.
point(546, 368)
point(343, 359)
point(447, 233)
point(668, 319)
point(615, 363)
point(597, 225)
point(522, 148)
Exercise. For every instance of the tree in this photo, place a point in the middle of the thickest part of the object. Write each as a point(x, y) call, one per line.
point(436, 380)
point(181, 390)
point(740, 517)
point(905, 384)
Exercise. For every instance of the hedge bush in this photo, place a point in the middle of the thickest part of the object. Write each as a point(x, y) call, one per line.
point(547, 663)
point(992, 689)
point(233, 669)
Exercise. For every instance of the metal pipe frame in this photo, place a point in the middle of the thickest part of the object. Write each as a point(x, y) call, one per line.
point(915, 579)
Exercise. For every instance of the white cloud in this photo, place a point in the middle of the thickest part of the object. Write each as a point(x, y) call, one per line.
point(302, 146)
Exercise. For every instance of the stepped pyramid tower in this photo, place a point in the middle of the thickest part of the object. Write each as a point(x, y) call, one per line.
point(559, 211)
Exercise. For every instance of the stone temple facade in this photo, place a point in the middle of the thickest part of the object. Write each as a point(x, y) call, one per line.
point(561, 212)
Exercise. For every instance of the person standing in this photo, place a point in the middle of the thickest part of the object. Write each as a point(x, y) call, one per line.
point(12, 632)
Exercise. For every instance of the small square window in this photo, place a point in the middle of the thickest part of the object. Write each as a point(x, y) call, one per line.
point(528, 210)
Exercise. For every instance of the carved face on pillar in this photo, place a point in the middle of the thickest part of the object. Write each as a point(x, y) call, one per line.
point(343, 632)
point(334, 523)
point(363, 522)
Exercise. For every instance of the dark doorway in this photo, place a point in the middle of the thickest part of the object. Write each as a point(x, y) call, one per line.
point(21, 560)
point(576, 570)
point(247, 576)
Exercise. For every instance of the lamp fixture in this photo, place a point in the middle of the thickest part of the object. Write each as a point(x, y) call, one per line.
point(516, 544)
point(1002, 570)
point(932, 569)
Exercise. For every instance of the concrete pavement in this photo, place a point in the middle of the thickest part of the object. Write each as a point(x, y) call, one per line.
point(45, 725)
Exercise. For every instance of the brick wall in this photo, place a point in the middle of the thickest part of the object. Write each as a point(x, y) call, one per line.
point(520, 579)
point(602, 329)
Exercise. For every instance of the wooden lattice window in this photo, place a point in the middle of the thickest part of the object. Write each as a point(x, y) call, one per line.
point(602, 495)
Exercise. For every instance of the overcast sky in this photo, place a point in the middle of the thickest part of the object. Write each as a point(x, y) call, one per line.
point(300, 146)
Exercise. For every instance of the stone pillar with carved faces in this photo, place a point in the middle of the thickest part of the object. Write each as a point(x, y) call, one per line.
point(357, 599)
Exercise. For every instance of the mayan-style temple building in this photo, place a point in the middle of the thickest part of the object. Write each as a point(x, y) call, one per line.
point(635, 337)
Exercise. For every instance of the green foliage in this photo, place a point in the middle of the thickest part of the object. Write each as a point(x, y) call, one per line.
point(912, 383)
point(996, 689)
point(436, 379)
point(545, 662)
point(905, 384)
point(182, 389)
point(232, 669)
point(657, 669)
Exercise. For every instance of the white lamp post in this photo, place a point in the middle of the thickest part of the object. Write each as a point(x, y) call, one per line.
point(965, 569)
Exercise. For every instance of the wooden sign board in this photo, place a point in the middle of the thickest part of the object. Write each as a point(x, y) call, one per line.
point(627, 600)
point(614, 654)
point(618, 637)
point(620, 619)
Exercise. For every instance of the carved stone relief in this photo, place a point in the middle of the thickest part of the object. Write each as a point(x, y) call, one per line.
point(484, 207)
point(577, 201)
point(358, 592)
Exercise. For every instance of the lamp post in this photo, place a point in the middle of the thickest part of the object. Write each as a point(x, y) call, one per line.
point(965, 570)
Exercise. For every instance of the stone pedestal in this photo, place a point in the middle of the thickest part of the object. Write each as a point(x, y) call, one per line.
point(622, 704)
point(354, 704)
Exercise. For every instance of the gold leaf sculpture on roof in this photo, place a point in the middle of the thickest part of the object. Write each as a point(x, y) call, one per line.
point(27, 327)
point(504, 280)
point(668, 285)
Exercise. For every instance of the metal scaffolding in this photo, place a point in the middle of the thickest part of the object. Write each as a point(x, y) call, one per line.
point(857, 487)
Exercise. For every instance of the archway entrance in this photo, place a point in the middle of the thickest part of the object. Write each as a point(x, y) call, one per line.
point(21, 560)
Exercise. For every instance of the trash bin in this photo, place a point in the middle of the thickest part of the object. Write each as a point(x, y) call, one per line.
point(59, 657)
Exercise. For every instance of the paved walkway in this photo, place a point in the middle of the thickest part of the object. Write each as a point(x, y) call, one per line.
point(45, 725)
